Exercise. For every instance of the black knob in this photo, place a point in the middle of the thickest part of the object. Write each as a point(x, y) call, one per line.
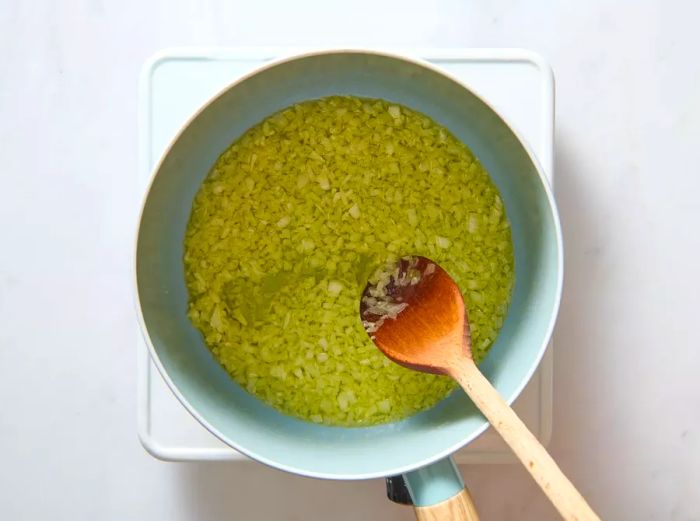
point(397, 491)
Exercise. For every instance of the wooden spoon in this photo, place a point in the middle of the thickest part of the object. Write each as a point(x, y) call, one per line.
point(427, 329)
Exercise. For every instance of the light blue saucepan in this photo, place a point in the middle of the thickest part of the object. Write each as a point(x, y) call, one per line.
point(418, 447)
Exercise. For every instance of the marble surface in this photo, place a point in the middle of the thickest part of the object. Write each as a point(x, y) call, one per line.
point(626, 419)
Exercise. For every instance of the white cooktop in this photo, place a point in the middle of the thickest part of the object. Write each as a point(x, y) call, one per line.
point(518, 84)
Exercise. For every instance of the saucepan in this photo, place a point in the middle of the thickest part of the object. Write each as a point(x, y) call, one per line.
point(418, 447)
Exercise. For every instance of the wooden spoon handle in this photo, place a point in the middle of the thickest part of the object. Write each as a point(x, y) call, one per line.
point(561, 492)
point(458, 508)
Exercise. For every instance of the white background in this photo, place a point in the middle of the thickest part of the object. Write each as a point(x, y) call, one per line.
point(627, 391)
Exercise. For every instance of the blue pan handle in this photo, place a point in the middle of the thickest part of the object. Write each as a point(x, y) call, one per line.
point(438, 493)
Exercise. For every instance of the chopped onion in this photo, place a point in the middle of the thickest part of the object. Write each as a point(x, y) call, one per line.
point(293, 220)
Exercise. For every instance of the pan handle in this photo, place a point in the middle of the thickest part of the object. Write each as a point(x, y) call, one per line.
point(439, 494)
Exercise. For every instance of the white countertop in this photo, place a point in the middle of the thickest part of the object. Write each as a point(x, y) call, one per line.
point(626, 416)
